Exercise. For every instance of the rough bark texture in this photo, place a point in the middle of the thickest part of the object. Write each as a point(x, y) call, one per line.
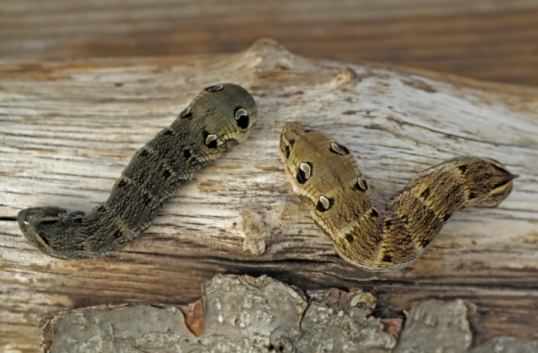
point(246, 314)
point(436, 326)
point(241, 314)
point(68, 129)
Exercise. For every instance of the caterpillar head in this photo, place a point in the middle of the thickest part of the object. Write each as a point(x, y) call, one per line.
point(317, 166)
point(488, 182)
point(294, 153)
point(223, 115)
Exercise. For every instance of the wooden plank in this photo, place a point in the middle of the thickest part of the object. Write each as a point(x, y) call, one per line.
point(487, 39)
point(68, 129)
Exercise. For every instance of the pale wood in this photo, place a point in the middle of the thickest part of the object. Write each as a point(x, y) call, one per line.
point(68, 129)
point(486, 39)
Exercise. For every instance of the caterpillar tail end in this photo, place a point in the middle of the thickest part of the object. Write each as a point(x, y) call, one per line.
point(30, 219)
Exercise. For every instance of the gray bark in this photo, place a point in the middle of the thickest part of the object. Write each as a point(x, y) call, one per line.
point(255, 315)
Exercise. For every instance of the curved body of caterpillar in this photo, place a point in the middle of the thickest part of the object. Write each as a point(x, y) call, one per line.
point(384, 237)
point(217, 118)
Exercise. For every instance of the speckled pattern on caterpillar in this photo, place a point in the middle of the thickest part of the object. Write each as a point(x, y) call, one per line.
point(219, 117)
point(384, 237)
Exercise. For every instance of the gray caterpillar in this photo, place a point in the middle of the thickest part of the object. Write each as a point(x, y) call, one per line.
point(219, 117)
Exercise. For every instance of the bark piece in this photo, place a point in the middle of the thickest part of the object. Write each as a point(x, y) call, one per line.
point(343, 325)
point(241, 314)
point(507, 345)
point(436, 326)
point(118, 329)
point(255, 315)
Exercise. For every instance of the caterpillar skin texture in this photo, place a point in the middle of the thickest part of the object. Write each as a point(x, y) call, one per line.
point(384, 237)
point(218, 118)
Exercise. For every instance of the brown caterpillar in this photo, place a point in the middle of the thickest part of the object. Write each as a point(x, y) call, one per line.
point(389, 236)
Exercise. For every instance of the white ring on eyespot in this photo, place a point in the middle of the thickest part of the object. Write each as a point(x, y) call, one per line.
point(339, 149)
point(239, 113)
point(210, 138)
point(325, 202)
point(361, 184)
point(305, 168)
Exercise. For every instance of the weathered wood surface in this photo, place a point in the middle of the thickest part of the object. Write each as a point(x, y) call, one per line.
point(68, 129)
point(486, 39)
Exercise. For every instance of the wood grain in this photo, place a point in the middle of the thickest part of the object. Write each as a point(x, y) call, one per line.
point(487, 39)
point(68, 129)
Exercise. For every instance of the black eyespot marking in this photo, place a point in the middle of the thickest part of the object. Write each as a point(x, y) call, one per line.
point(424, 242)
point(214, 88)
point(473, 195)
point(168, 132)
point(287, 148)
point(324, 203)
point(242, 117)
point(387, 258)
point(49, 221)
point(122, 183)
point(147, 199)
point(117, 234)
point(374, 213)
point(361, 185)
point(462, 168)
point(287, 151)
point(304, 172)
point(504, 182)
point(210, 140)
point(144, 153)
point(186, 114)
point(167, 174)
point(338, 149)
point(425, 193)
point(44, 240)
point(187, 153)
point(349, 238)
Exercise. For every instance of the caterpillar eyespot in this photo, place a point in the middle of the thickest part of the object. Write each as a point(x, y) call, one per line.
point(361, 184)
point(211, 140)
point(242, 118)
point(338, 149)
point(324, 203)
point(304, 172)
